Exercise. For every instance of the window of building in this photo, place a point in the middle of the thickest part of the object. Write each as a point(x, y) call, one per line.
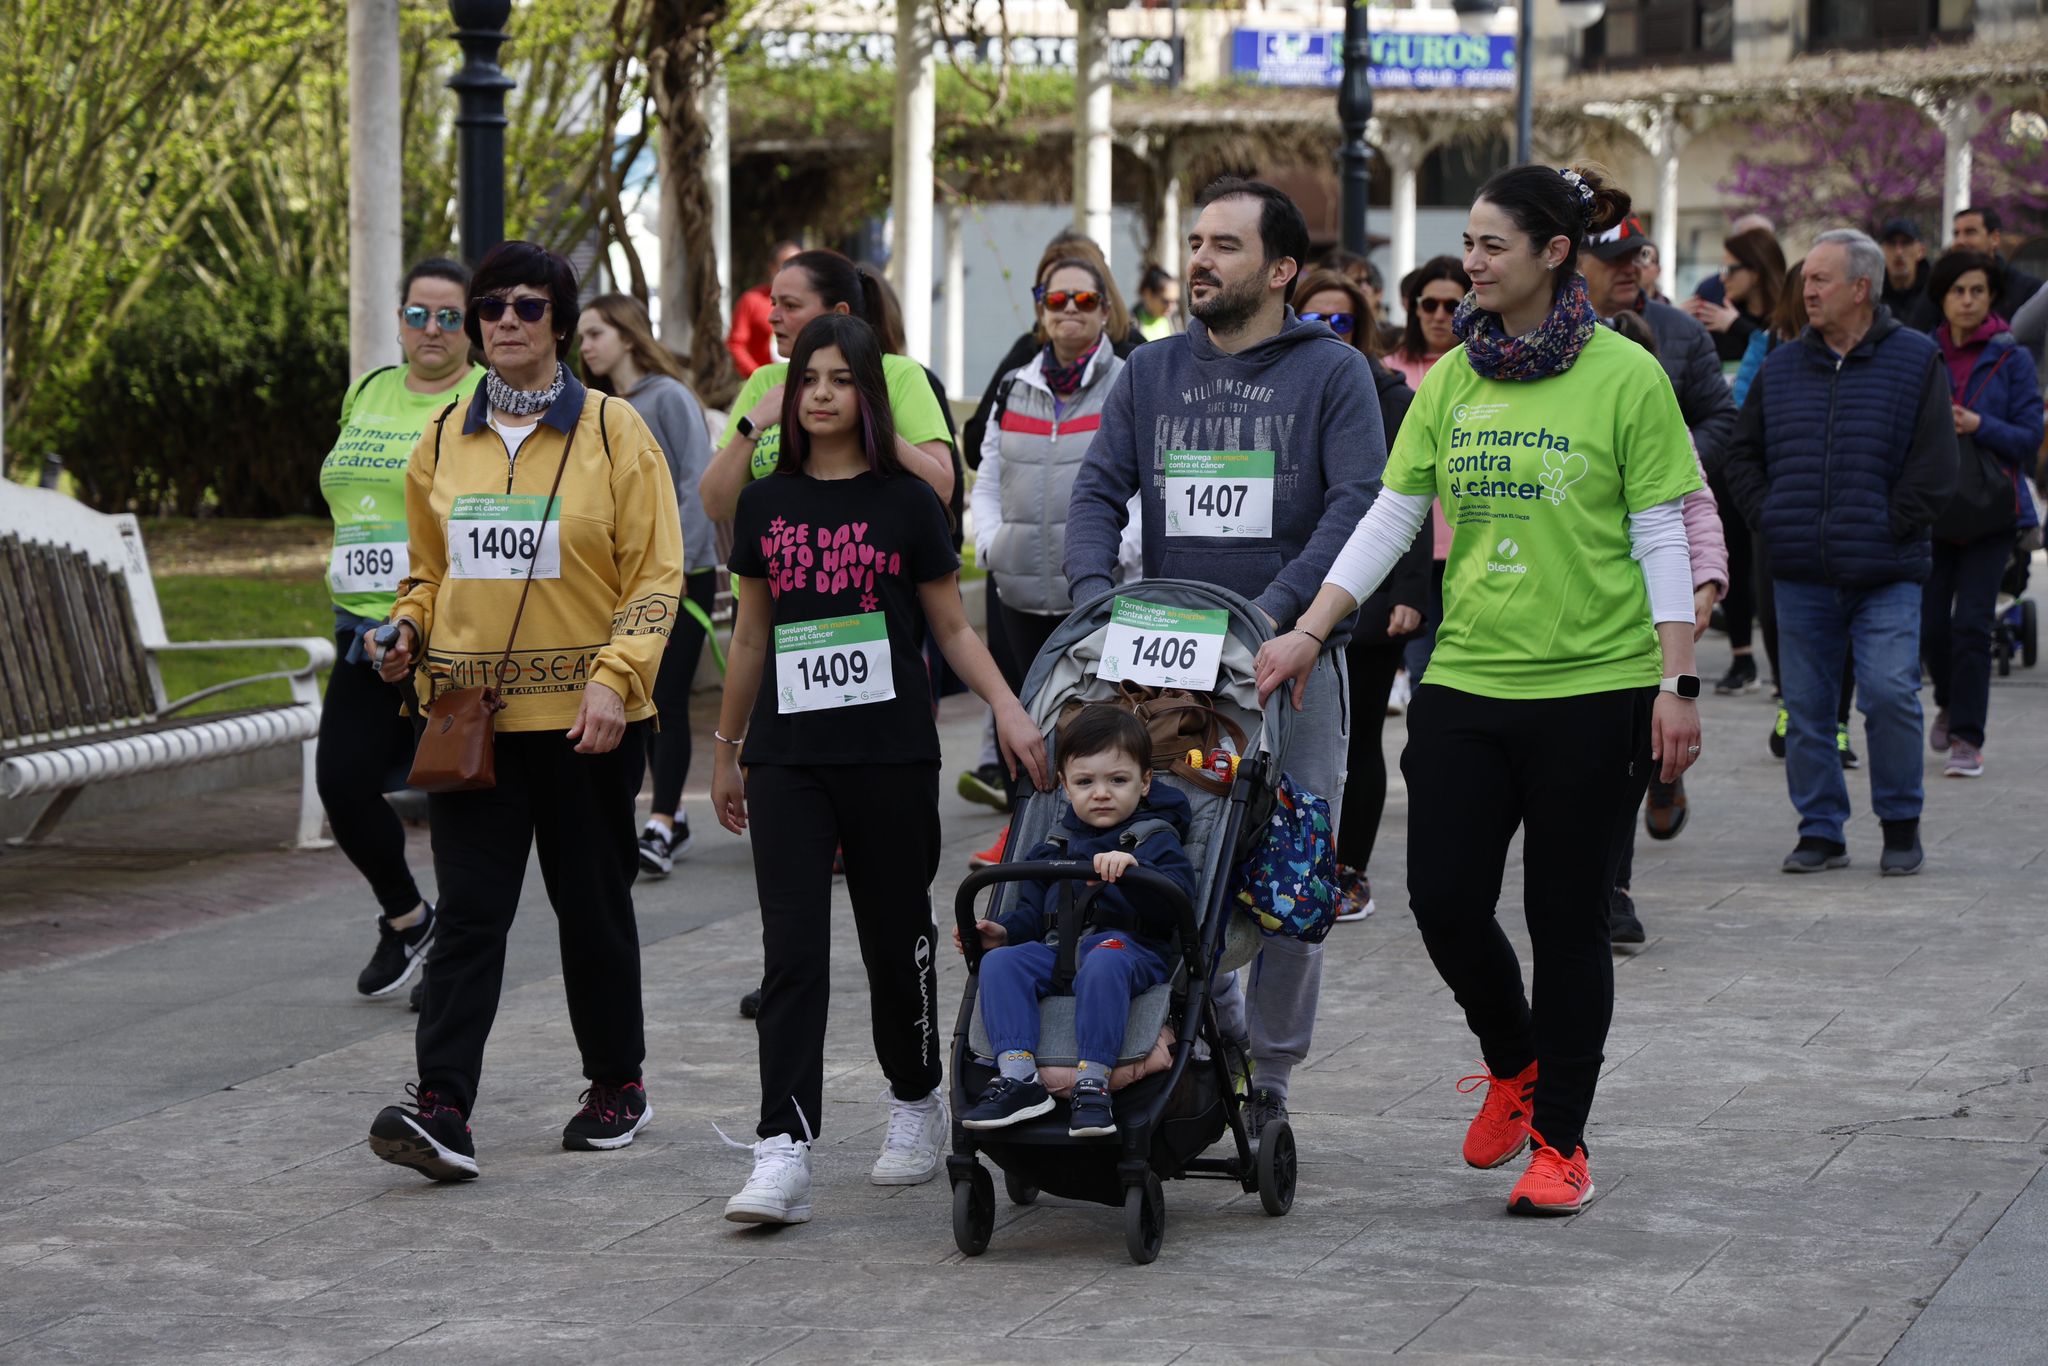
point(1881, 23)
point(1661, 33)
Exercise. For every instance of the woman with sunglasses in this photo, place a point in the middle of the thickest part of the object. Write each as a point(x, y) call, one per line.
point(366, 744)
point(1031, 452)
point(546, 560)
point(1387, 621)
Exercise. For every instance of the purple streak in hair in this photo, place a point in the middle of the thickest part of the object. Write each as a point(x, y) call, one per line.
point(868, 439)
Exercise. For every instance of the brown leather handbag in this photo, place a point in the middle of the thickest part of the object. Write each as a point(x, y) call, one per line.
point(458, 751)
point(1177, 721)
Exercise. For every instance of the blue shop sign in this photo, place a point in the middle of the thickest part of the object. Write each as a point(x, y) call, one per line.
point(1400, 61)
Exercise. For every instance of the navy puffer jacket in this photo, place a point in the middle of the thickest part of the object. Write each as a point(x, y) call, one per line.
point(1843, 462)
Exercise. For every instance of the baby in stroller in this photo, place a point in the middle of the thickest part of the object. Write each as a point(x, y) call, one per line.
point(1116, 819)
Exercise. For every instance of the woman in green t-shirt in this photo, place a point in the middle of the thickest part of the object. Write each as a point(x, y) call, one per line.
point(1561, 458)
point(366, 743)
point(812, 283)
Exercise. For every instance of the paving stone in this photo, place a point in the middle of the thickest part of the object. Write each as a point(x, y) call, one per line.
point(469, 1342)
point(520, 1285)
point(209, 1340)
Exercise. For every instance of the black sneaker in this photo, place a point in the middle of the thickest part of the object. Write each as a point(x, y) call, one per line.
point(431, 1137)
point(1740, 678)
point(1092, 1115)
point(750, 1005)
point(1624, 926)
point(988, 785)
point(1007, 1102)
point(1812, 854)
point(610, 1116)
point(1262, 1109)
point(657, 854)
point(398, 956)
point(1778, 732)
point(1902, 855)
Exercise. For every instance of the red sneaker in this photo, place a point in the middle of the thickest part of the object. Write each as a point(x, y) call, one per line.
point(991, 856)
point(1501, 1128)
point(1554, 1184)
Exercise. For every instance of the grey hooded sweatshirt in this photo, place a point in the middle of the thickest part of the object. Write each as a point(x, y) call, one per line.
point(1303, 395)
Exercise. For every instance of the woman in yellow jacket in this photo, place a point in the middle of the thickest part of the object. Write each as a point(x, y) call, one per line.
point(606, 567)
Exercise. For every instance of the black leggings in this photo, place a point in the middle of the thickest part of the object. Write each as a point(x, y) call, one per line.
point(1372, 665)
point(1558, 768)
point(668, 749)
point(578, 808)
point(365, 750)
point(1739, 607)
point(885, 820)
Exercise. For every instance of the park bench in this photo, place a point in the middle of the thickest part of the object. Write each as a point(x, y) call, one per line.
point(81, 697)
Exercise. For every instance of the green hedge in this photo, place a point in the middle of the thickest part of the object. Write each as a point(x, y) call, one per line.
point(224, 402)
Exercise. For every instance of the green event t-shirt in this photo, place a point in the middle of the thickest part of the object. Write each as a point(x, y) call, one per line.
point(911, 402)
point(1542, 597)
point(363, 481)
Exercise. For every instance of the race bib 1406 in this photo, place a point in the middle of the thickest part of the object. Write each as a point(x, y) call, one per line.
point(833, 662)
point(494, 535)
point(1219, 493)
point(1163, 647)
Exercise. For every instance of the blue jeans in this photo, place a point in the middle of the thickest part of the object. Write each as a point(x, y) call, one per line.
point(1817, 625)
point(1015, 977)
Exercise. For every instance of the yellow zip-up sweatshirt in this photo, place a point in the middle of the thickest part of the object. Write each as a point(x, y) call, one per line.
point(604, 616)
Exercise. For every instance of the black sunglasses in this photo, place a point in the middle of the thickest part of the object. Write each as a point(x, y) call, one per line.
point(1340, 323)
point(416, 315)
point(1437, 305)
point(490, 308)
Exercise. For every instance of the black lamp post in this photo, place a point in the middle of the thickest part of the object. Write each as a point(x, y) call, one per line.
point(1354, 111)
point(480, 88)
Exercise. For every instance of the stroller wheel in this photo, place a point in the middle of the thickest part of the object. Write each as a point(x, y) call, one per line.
point(2030, 633)
point(1276, 1161)
point(1021, 1192)
point(1144, 1219)
point(974, 1211)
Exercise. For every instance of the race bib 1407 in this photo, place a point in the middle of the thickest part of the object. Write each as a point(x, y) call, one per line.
point(494, 535)
point(1163, 647)
point(833, 662)
point(1219, 493)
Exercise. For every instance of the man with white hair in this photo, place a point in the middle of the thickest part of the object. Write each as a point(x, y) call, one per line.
point(1844, 454)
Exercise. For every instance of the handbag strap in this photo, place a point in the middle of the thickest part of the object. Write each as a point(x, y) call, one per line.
point(1967, 398)
point(526, 587)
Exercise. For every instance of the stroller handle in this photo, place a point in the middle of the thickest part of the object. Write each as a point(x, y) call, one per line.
point(1068, 870)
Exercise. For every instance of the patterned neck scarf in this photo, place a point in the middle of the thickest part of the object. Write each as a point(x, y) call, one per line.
point(519, 402)
point(1549, 350)
point(1065, 380)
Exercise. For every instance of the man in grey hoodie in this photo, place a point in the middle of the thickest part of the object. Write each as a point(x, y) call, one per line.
point(1248, 377)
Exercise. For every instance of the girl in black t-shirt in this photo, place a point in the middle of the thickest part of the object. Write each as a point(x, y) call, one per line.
point(841, 563)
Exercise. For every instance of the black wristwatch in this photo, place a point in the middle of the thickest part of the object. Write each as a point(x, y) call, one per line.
point(1686, 686)
point(746, 428)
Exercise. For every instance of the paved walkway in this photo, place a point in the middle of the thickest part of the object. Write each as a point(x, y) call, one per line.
point(1821, 1095)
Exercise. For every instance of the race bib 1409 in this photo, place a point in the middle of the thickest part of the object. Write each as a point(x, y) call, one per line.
point(494, 535)
point(1219, 493)
point(833, 662)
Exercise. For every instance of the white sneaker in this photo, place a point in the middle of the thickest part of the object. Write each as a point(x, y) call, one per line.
point(779, 1191)
point(916, 1146)
point(1399, 694)
point(680, 838)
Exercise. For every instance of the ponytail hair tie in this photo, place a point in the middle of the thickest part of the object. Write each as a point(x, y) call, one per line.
point(1587, 199)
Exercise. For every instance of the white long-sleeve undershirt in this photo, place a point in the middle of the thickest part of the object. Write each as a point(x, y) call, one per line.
point(1656, 541)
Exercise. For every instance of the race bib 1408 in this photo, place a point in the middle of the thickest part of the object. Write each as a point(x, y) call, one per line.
point(833, 662)
point(1163, 647)
point(494, 535)
point(1219, 493)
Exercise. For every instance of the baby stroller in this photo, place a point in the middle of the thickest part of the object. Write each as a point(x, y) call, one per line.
point(2016, 628)
point(1168, 1117)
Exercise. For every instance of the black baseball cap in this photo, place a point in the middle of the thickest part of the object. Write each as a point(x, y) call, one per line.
point(1624, 239)
point(1899, 227)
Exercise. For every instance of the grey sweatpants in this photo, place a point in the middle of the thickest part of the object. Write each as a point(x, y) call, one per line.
point(1287, 976)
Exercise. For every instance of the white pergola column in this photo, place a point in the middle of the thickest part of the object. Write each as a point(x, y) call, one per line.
point(911, 173)
point(1404, 152)
point(954, 372)
point(1666, 136)
point(1092, 132)
point(718, 180)
point(376, 243)
point(1167, 233)
point(1959, 120)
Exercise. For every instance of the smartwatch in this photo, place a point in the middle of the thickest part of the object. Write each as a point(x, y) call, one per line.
point(1686, 686)
point(746, 428)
